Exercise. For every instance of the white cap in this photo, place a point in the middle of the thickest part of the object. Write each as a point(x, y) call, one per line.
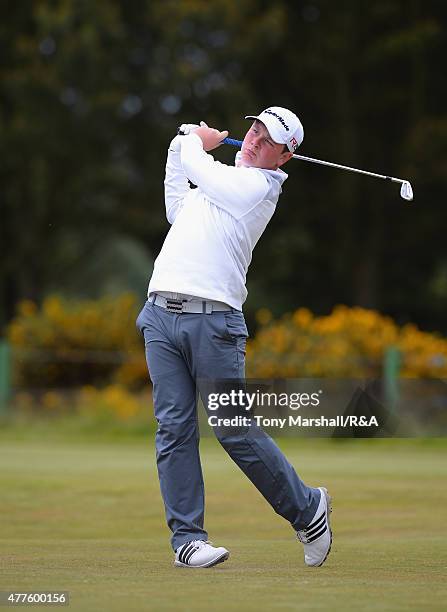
point(283, 126)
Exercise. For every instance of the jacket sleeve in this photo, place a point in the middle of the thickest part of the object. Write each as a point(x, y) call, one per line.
point(176, 183)
point(236, 190)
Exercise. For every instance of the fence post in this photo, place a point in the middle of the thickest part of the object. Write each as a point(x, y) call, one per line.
point(5, 374)
point(391, 368)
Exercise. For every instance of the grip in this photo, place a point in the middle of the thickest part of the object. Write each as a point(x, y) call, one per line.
point(233, 142)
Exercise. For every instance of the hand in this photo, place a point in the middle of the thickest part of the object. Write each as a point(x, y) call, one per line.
point(187, 128)
point(210, 137)
point(182, 130)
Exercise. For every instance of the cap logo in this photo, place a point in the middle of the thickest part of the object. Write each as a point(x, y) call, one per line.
point(280, 119)
point(293, 143)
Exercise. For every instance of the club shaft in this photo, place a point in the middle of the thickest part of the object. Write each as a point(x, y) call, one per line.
point(238, 143)
point(348, 168)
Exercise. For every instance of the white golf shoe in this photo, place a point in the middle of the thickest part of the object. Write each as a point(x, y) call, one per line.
point(199, 553)
point(317, 536)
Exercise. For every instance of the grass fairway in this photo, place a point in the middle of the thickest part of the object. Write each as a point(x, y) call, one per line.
point(87, 518)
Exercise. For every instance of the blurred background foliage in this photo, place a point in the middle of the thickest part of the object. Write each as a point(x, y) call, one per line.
point(348, 343)
point(91, 94)
point(94, 344)
point(69, 343)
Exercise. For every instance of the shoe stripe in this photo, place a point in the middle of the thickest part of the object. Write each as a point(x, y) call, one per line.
point(316, 526)
point(189, 555)
point(316, 522)
point(316, 535)
point(180, 554)
point(185, 550)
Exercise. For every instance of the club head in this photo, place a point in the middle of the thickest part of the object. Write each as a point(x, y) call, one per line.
point(406, 191)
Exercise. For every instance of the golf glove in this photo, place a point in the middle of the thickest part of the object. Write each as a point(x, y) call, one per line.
point(182, 130)
point(187, 128)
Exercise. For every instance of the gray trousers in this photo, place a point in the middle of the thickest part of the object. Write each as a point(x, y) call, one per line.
point(182, 349)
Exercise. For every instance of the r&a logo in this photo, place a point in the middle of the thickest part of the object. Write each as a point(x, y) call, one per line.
point(293, 143)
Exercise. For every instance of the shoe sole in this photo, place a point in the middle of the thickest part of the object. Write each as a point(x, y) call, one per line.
point(220, 559)
point(328, 515)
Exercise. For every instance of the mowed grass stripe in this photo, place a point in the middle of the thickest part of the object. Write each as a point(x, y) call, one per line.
point(88, 518)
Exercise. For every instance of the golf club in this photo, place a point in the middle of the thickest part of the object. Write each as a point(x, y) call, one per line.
point(406, 191)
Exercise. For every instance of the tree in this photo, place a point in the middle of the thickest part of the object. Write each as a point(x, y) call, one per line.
point(91, 93)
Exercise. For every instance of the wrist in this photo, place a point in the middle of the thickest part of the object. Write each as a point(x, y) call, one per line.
point(175, 144)
point(197, 138)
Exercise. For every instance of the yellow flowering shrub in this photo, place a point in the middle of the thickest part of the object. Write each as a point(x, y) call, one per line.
point(113, 402)
point(350, 342)
point(69, 343)
point(423, 354)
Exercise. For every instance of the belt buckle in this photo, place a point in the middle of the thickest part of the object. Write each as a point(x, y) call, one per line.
point(175, 306)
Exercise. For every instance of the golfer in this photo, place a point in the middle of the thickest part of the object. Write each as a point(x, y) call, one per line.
point(194, 328)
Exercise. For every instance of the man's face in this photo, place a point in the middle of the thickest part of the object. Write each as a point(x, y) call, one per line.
point(260, 151)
